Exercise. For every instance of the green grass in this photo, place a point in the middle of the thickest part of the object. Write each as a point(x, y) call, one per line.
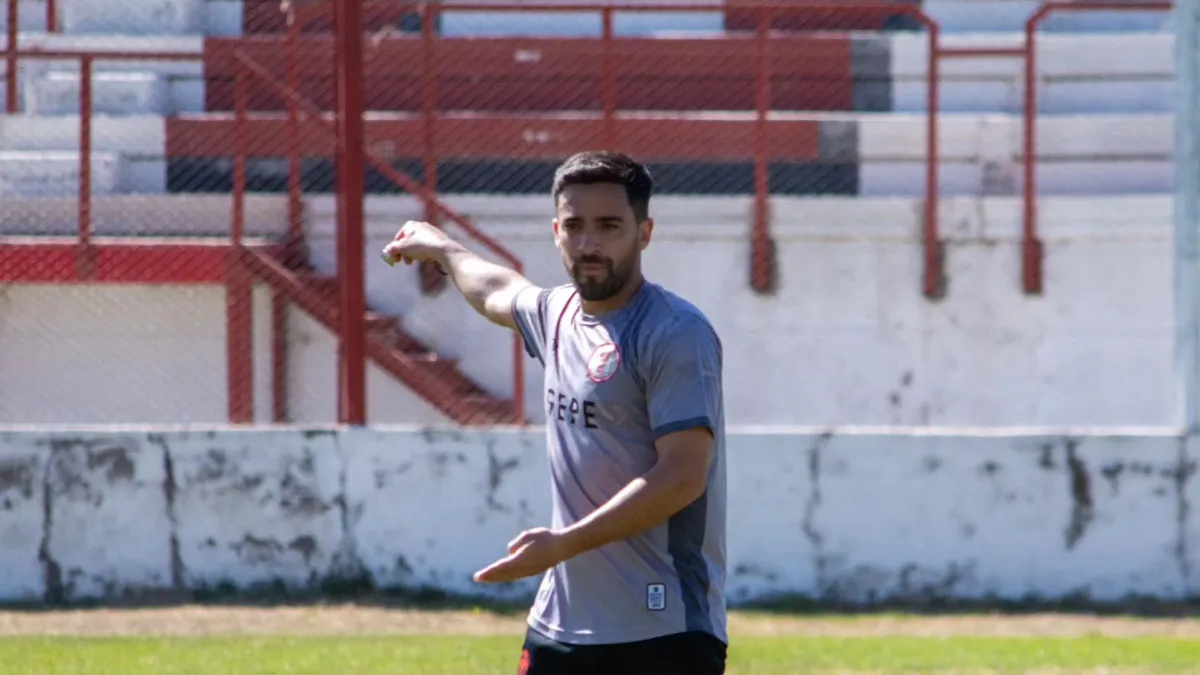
point(451, 655)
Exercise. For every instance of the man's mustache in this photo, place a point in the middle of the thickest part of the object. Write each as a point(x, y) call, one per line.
point(592, 260)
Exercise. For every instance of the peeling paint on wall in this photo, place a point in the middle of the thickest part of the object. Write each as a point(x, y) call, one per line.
point(256, 508)
point(107, 529)
point(449, 504)
point(851, 517)
point(22, 482)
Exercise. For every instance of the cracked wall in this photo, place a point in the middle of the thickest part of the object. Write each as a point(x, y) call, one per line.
point(22, 515)
point(97, 542)
point(843, 516)
point(433, 508)
point(1011, 517)
point(256, 507)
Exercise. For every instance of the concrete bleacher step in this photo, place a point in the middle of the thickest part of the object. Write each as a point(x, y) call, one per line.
point(117, 83)
point(135, 215)
point(134, 17)
point(138, 139)
point(1077, 74)
point(113, 93)
point(978, 16)
point(55, 173)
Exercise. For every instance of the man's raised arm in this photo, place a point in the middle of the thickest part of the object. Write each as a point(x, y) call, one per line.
point(489, 288)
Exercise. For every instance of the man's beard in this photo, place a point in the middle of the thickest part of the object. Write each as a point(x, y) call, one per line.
point(596, 291)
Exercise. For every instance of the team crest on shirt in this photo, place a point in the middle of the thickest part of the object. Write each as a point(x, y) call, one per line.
point(603, 363)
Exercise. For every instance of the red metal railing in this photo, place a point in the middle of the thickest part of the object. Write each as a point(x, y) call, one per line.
point(435, 209)
point(932, 282)
point(14, 18)
point(932, 277)
point(1031, 245)
point(763, 250)
point(86, 60)
point(299, 106)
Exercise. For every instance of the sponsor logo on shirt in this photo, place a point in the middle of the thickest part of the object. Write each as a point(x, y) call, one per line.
point(603, 363)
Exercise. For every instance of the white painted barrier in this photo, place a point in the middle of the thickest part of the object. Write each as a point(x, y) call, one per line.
point(847, 339)
point(853, 515)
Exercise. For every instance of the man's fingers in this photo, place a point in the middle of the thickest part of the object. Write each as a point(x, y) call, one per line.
point(392, 253)
point(517, 543)
point(494, 572)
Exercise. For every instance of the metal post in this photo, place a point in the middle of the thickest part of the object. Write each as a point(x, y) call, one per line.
point(351, 166)
point(1187, 215)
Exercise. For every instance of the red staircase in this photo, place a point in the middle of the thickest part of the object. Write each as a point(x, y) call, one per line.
point(288, 272)
point(435, 378)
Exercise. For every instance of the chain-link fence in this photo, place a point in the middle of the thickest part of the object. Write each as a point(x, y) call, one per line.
point(136, 163)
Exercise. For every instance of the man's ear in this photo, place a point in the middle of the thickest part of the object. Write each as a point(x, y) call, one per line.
point(556, 233)
point(645, 233)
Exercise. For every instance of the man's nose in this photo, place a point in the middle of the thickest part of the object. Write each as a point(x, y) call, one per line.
point(589, 243)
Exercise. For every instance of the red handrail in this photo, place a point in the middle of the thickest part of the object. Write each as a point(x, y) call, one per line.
point(238, 348)
point(932, 280)
point(14, 20)
point(1031, 245)
point(86, 60)
point(401, 179)
point(763, 253)
point(297, 101)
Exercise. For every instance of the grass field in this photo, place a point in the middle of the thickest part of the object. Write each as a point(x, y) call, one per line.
point(374, 640)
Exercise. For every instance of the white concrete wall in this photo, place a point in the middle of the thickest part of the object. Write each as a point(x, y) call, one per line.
point(1047, 515)
point(847, 339)
point(156, 354)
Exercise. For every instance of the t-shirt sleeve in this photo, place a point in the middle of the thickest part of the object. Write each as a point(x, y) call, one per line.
point(529, 314)
point(683, 382)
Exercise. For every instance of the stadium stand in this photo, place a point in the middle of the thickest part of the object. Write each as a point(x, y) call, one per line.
point(1088, 69)
point(849, 93)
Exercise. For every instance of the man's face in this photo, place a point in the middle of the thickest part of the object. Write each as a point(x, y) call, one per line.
point(599, 237)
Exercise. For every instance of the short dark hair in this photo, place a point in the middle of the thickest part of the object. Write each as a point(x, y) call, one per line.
point(599, 166)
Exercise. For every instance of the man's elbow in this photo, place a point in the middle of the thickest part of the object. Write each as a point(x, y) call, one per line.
point(690, 487)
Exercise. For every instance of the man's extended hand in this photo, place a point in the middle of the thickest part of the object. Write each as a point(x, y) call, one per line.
point(532, 552)
point(417, 242)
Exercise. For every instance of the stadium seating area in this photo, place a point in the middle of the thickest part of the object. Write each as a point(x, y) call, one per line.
point(849, 104)
point(515, 91)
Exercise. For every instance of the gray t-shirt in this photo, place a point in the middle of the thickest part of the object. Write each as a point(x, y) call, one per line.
point(613, 385)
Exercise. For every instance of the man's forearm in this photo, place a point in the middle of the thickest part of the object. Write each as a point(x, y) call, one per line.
point(478, 279)
point(642, 504)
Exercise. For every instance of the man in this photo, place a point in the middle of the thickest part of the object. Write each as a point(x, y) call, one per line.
point(633, 562)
